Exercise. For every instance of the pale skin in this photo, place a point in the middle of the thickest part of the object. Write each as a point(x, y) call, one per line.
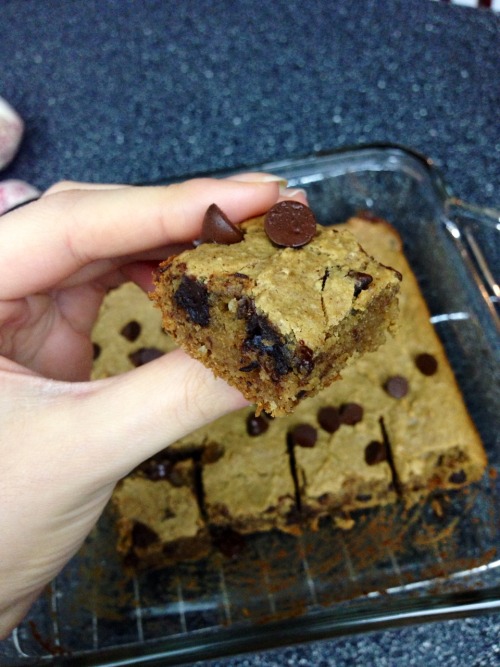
point(65, 441)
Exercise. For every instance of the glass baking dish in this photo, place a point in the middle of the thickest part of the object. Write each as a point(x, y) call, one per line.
point(282, 589)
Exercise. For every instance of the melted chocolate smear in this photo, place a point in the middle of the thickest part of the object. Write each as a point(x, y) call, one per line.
point(192, 297)
point(329, 418)
point(397, 386)
point(262, 337)
point(290, 224)
point(361, 281)
point(252, 366)
point(217, 228)
point(131, 331)
point(144, 355)
point(426, 363)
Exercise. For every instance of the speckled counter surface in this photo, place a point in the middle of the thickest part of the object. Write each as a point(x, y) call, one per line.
point(122, 91)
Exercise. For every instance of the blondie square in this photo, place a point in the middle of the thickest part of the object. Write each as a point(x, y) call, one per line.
point(279, 322)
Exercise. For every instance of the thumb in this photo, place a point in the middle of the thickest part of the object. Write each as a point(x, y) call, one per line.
point(125, 419)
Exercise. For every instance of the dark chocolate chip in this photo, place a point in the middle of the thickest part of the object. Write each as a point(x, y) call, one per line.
point(192, 296)
point(375, 452)
point(96, 351)
point(217, 228)
point(229, 542)
point(363, 497)
point(256, 425)
point(361, 281)
point(397, 386)
point(458, 477)
point(156, 470)
point(350, 413)
point(305, 363)
point(426, 363)
point(252, 366)
point(131, 331)
point(304, 435)
point(144, 355)
point(290, 224)
point(212, 453)
point(329, 418)
point(143, 536)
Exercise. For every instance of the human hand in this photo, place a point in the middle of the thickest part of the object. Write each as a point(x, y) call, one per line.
point(64, 440)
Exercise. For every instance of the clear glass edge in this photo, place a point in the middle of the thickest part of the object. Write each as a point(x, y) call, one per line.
point(319, 625)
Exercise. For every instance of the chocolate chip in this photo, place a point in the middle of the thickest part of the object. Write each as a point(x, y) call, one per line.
point(143, 536)
point(304, 435)
point(363, 497)
point(144, 355)
point(156, 470)
point(217, 228)
point(305, 359)
point(96, 351)
point(192, 296)
point(397, 386)
point(375, 452)
point(458, 477)
point(228, 541)
point(350, 413)
point(256, 425)
point(252, 366)
point(329, 418)
point(131, 331)
point(361, 281)
point(212, 453)
point(290, 224)
point(426, 363)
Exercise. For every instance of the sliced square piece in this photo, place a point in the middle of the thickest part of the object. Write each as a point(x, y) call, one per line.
point(279, 323)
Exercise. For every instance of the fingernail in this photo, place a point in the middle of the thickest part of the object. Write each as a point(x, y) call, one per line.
point(273, 178)
point(258, 177)
point(292, 192)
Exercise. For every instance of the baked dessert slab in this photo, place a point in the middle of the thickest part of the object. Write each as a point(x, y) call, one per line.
point(394, 428)
point(348, 466)
point(279, 323)
point(128, 332)
point(432, 439)
point(159, 519)
point(249, 486)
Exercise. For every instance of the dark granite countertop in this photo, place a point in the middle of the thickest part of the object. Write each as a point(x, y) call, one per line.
point(124, 91)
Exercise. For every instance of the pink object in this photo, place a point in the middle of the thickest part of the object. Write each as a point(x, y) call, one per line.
point(11, 132)
point(14, 192)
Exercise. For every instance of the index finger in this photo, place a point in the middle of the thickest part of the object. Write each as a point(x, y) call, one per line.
point(45, 242)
